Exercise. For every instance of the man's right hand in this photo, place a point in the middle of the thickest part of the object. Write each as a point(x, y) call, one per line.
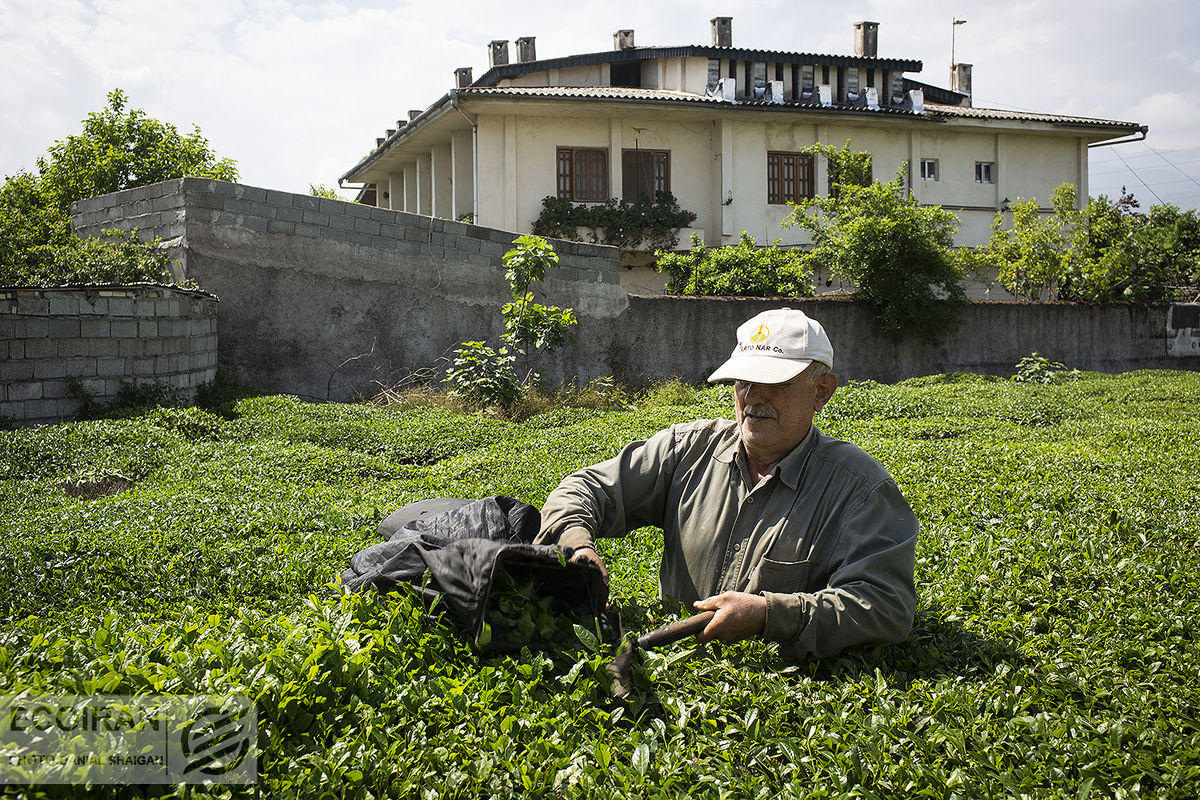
point(588, 555)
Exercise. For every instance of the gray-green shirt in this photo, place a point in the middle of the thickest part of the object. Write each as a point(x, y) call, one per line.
point(827, 537)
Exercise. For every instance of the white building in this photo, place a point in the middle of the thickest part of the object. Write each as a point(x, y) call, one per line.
point(721, 128)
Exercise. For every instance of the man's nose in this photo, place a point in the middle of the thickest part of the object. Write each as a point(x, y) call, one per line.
point(752, 392)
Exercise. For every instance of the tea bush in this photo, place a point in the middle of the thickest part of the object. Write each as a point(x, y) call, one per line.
point(1053, 655)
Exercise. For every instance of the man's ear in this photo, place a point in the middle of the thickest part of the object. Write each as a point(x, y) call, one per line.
point(826, 386)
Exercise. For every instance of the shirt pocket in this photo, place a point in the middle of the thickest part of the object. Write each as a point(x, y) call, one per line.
point(779, 576)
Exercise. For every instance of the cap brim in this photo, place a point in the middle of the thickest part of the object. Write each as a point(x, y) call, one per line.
point(759, 369)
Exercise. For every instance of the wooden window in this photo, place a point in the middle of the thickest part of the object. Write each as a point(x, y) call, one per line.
point(583, 174)
point(645, 173)
point(985, 172)
point(789, 177)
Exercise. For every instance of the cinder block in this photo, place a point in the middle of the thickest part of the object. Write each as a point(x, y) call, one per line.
point(73, 348)
point(80, 367)
point(147, 328)
point(55, 389)
point(110, 366)
point(120, 306)
point(41, 348)
point(252, 193)
point(16, 370)
point(142, 367)
point(306, 202)
point(287, 213)
point(341, 222)
point(153, 347)
point(276, 226)
point(64, 328)
point(93, 328)
point(62, 305)
point(16, 349)
point(33, 306)
point(308, 231)
point(314, 218)
point(123, 328)
point(30, 390)
point(277, 198)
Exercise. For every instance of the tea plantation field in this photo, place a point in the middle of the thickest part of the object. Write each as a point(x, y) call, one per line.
point(1055, 652)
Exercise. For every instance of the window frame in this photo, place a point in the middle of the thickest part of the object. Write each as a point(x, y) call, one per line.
point(566, 167)
point(985, 172)
point(783, 189)
point(661, 179)
point(926, 162)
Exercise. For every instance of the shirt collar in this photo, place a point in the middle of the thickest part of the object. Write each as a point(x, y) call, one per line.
point(789, 468)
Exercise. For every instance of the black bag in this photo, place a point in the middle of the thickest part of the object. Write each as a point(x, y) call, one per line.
point(458, 555)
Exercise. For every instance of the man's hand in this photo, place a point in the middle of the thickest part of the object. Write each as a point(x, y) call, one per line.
point(739, 616)
point(588, 555)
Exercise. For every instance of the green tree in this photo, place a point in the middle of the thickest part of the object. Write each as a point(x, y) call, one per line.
point(321, 190)
point(744, 270)
point(488, 377)
point(118, 149)
point(896, 252)
point(1035, 253)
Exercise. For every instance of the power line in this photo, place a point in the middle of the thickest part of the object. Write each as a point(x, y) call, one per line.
point(1139, 177)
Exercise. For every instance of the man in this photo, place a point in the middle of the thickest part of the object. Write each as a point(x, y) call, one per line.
point(784, 532)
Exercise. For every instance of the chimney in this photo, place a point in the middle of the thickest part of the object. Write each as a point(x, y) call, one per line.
point(498, 53)
point(413, 113)
point(960, 80)
point(722, 31)
point(400, 123)
point(379, 142)
point(462, 77)
point(525, 50)
point(623, 40)
point(866, 39)
point(391, 132)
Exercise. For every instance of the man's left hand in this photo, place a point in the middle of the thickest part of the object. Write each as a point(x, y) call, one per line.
point(739, 616)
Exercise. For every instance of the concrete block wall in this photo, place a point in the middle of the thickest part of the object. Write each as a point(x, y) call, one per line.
point(101, 335)
point(320, 297)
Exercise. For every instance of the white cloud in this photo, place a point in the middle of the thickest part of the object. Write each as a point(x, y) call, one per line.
point(296, 92)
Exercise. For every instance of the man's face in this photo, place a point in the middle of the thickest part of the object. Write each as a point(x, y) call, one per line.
point(774, 417)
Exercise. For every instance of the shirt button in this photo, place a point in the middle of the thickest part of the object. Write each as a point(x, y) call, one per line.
point(750, 499)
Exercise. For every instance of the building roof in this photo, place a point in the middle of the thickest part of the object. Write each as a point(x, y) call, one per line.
point(1025, 116)
point(498, 73)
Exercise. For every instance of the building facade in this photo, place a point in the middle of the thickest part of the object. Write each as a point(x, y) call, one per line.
point(721, 128)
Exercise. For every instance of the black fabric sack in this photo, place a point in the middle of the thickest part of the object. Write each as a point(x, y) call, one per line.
point(458, 555)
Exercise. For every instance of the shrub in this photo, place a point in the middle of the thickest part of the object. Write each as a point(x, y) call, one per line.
point(742, 270)
point(894, 250)
point(622, 223)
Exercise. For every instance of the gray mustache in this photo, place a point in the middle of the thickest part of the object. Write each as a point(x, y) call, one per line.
point(760, 411)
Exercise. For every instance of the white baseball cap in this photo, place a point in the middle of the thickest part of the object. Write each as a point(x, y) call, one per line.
point(774, 347)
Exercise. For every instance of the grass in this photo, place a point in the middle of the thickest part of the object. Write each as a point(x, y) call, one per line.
point(1054, 653)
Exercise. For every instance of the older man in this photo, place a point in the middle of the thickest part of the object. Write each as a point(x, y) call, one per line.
point(784, 532)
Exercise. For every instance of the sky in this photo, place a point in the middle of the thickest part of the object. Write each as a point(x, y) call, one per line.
point(297, 92)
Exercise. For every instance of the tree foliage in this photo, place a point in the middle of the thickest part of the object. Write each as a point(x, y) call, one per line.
point(488, 377)
point(117, 149)
point(895, 251)
point(742, 270)
point(1103, 252)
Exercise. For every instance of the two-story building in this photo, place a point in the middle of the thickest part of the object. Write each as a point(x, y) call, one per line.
point(720, 127)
